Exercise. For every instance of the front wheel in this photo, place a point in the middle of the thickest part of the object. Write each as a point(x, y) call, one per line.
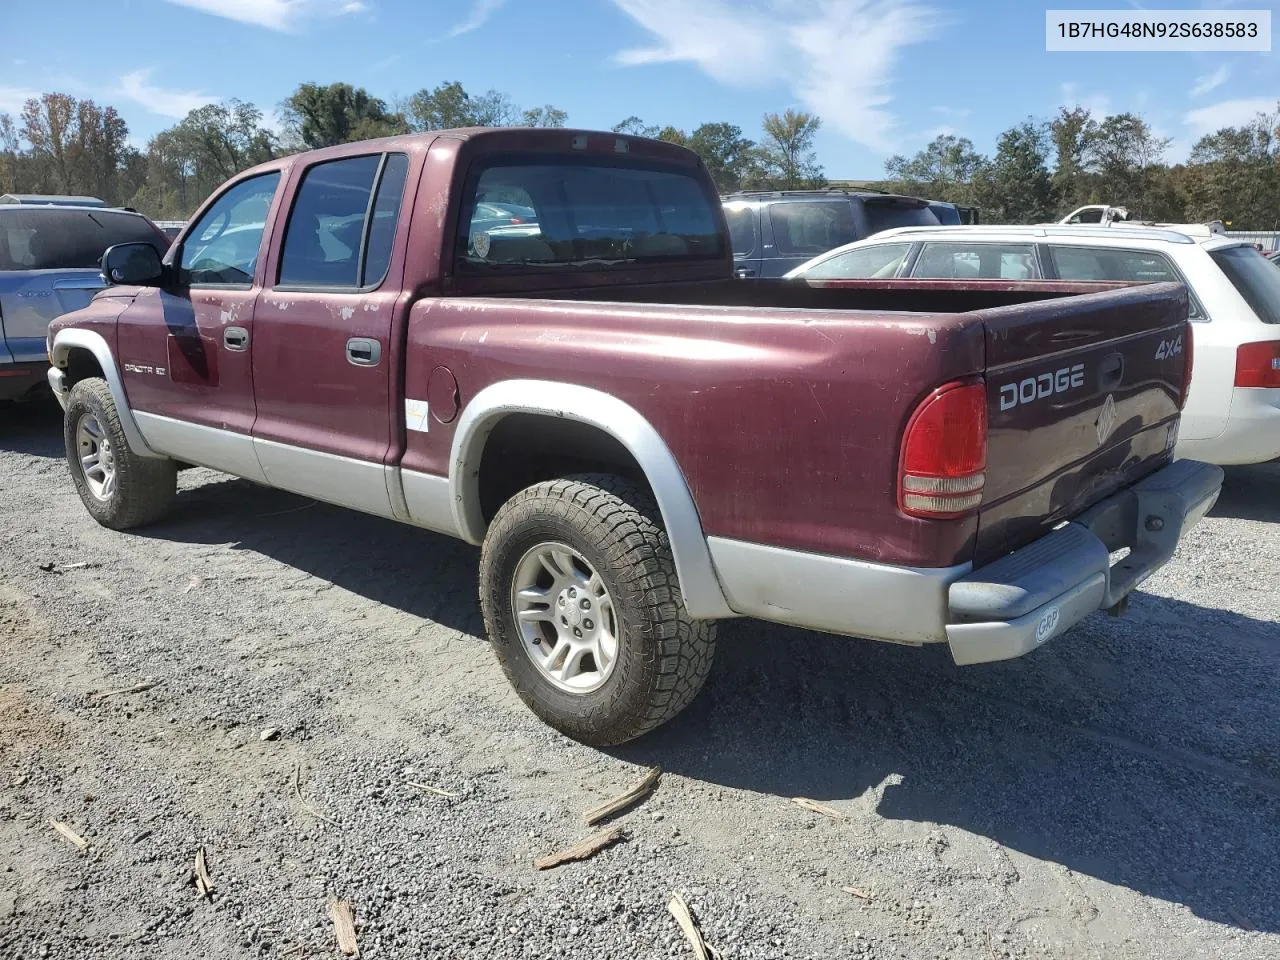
point(582, 604)
point(119, 488)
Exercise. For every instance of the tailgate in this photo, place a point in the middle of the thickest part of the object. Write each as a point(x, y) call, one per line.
point(1083, 395)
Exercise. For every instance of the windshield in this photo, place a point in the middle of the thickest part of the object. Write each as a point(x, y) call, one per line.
point(574, 212)
point(1257, 280)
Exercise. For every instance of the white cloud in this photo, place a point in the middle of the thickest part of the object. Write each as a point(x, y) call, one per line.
point(1098, 104)
point(166, 103)
point(1228, 113)
point(481, 11)
point(836, 56)
point(12, 98)
point(956, 113)
point(284, 15)
point(1211, 81)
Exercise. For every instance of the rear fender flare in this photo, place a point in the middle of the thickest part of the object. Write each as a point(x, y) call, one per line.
point(65, 341)
point(703, 596)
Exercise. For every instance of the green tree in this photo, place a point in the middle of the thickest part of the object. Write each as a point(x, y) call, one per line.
point(1016, 187)
point(321, 115)
point(727, 154)
point(545, 116)
point(1124, 155)
point(1071, 131)
point(946, 169)
point(786, 158)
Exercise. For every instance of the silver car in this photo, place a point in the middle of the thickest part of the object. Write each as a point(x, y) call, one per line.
point(49, 257)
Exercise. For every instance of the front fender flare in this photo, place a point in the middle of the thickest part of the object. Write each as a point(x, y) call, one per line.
point(703, 597)
point(66, 340)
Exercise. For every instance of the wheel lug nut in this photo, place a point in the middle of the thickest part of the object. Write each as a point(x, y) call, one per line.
point(562, 601)
point(584, 604)
point(588, 624)
point(565, 621)
point(572, 593)
point(577, 632)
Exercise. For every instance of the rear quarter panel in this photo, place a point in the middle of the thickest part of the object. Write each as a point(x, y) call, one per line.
point(786, 423)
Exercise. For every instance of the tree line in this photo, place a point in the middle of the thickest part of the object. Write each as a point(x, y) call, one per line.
point(1040, 168)
point(59, 144)
point(1044, 169)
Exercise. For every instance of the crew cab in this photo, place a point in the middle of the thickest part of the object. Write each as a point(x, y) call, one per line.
point(641, 444)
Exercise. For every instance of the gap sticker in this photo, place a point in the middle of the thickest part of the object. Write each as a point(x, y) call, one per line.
point(415, 415)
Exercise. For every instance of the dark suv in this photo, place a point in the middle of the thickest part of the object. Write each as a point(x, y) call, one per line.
point(774, 231)
point(49, 254)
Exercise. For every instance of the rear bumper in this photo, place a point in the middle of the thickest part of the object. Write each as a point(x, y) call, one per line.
point(1252, 433)
point(1014, 605)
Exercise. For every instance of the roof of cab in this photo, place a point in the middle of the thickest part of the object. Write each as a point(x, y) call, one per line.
point(514, 137)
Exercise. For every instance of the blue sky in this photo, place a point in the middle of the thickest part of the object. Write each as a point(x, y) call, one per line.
point(885, 76)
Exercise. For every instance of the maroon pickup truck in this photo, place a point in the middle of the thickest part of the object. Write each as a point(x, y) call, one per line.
point(532, 340)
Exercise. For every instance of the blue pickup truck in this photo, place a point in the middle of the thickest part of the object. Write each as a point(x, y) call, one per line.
point(49, 256)
point(774, 231)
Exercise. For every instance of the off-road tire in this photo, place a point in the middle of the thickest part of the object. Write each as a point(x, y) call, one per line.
point(145, 487)
point(664, 656)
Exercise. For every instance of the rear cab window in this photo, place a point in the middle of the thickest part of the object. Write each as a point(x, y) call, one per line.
point(977, 261)
point(1111, 264)
point(809, 228)
point(534, 212)
point(50, 239)
point(1254, 277)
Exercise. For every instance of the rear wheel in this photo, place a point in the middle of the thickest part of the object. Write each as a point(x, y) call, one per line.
point(119, 488)
point(583, 607)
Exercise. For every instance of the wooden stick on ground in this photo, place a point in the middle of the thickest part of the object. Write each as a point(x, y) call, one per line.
point(297, 789)
point(813, 806)
point(69, 834)
point(854, 891)
point(624, 800)
point(429, 789)
point(204, 883)
point(344, 926)
point(136, 688)
point(680, 910)
point(583, 849)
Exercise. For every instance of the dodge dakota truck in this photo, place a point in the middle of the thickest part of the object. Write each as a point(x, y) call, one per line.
point(641, 444)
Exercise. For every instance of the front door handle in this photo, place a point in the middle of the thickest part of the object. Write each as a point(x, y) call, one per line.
point(364, 352)
point(743, 273)
point(236, 338)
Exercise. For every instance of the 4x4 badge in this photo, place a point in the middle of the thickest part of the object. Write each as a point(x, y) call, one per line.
point(1107, 419)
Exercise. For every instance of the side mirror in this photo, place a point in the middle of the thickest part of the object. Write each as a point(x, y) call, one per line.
point(134, 264)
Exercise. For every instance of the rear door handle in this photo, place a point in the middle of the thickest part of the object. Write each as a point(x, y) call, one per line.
point(236, 338)
point(364, 352)
point(742, 273)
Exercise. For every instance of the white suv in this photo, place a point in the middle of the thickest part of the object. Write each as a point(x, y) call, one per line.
point(1232, 413)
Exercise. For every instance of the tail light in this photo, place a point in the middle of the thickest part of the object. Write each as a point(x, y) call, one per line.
point(944, 452)
point(1258, 364)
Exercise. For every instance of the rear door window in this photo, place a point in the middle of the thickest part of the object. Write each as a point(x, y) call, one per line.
point(1256, 279)
point(887, 213)
point(52, 239)
point(880, 260)
point(1128, 266)
point(806, 229)
point(742, 229)
point(976, 261)
point(331, 240)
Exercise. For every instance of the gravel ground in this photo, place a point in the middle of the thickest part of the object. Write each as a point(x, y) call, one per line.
point(1115, 795)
